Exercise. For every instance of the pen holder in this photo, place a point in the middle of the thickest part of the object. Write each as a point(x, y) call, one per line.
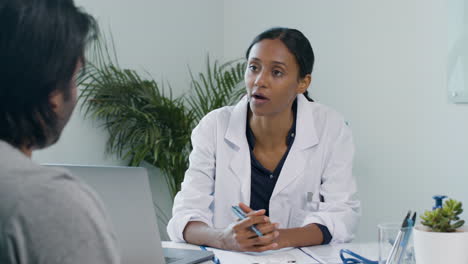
point(387, 236)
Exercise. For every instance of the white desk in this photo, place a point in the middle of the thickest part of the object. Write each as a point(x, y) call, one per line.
point(326, 252)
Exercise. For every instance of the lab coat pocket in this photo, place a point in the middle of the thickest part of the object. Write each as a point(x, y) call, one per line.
point(312, 201)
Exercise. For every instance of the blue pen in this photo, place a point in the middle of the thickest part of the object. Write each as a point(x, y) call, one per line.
point(399, 246)
point(240, 213)
point(404, 242)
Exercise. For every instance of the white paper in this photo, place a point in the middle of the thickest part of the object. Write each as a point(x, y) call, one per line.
point(330, 254)
point(282, 256)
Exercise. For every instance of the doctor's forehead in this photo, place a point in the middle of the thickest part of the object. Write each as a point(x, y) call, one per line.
point(271, 51)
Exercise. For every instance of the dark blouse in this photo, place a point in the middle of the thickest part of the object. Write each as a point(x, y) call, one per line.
point(263, 181)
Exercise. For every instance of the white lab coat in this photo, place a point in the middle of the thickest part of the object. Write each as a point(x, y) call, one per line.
point(319, 162)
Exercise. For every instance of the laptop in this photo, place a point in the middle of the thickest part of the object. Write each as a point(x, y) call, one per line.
point(127, 197)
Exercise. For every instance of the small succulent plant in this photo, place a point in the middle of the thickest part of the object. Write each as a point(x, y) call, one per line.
point(444, 219)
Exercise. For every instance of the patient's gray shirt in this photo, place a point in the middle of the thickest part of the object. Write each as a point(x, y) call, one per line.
point(49, 217)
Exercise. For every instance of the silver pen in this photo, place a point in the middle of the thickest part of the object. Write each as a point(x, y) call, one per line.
point(401, 240)
point(310, 201)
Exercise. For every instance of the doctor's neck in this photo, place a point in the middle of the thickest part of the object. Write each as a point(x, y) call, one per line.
point(271, 131)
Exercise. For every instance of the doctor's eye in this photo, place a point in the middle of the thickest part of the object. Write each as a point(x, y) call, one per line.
point(277, 73)
point(253, 68)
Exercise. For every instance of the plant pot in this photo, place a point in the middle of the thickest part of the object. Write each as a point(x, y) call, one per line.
point(439, 248)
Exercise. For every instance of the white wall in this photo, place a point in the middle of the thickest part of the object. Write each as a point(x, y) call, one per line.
point(161, 37)
point(383, 65)
point(380, 63)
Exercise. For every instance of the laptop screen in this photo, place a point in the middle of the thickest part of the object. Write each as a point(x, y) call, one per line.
point(127, 197)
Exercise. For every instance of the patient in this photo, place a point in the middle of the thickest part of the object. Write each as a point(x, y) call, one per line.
point(46, 215)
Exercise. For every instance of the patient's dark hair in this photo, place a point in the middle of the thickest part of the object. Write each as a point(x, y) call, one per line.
point(41, 42)
point(296, 43)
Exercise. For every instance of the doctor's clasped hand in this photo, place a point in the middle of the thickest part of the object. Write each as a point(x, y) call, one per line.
point(238, 236)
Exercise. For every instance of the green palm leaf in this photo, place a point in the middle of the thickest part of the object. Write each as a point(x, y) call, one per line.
point(144, 122)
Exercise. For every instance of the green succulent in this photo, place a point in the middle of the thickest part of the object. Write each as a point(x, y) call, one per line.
point(445, 219)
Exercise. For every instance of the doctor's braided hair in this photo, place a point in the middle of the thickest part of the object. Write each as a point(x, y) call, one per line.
point(296, 43)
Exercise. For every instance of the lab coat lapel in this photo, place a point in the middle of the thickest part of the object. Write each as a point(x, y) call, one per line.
point(306, 138)
point(237, 144)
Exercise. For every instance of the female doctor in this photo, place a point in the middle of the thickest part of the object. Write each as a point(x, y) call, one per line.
point(284, 159)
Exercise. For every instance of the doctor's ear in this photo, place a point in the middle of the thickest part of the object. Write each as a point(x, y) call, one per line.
point(304, 84)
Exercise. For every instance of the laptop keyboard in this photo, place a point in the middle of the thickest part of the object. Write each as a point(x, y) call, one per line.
point(171, 260)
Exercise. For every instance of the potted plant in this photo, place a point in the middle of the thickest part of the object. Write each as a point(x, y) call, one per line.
point(146, 124)
point(442, 237)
